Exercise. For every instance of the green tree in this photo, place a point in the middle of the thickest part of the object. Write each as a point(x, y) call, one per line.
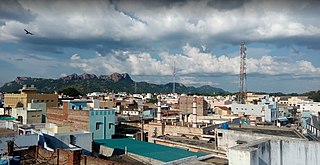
point(70, 92)
point(314, 95)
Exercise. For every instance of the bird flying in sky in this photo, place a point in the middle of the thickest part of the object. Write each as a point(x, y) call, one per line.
point(27, 32)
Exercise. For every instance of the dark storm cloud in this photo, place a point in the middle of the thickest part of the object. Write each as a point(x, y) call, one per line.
point(18, 59)
point(154, 3)
point(184, 14)
point(13, 10)
point(226, 5)
point(2, 22)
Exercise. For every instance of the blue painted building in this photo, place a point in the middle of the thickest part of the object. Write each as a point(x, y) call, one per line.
point(305, 118)
point(78, 115)
point(150, 113)
point(78, 105)
point(102, 123)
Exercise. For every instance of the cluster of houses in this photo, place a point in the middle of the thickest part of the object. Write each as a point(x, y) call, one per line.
point(58, 121)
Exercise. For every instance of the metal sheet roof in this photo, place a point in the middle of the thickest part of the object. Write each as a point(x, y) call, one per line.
point(7, 118)
point(151, 150)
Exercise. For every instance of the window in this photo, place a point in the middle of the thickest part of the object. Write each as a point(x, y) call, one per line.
point(98, 125)
point(220, 134)
point(110, 124)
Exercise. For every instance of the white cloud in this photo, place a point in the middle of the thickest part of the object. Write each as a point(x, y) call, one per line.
point(75, 57)
point(191, 63)
point(194, 81)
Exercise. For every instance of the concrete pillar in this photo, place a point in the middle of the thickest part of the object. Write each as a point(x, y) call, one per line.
point(181, 119)
point(194, 113)
point(159, 110)
point(74, 157)
point(36, 152)
point(10, 145)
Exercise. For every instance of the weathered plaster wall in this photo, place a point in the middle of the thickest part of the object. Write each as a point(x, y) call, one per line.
point(276, 152)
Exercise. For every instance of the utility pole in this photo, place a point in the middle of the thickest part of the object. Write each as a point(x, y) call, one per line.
point(243, 74)
point(142, 125)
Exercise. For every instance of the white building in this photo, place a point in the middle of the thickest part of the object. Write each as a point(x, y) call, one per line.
point(268, 112)
point(313, 107)
point(131, 113)
point(27, 115)
point(294, 101)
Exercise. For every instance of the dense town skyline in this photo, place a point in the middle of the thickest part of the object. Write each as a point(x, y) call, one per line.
point(144, 38)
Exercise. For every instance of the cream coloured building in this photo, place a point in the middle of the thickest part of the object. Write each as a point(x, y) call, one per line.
point(28, 95)
point(252, 97)
point(295, 100)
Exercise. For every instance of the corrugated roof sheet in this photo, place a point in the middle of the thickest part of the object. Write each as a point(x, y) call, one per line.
point(151, 150)
point(7, 118)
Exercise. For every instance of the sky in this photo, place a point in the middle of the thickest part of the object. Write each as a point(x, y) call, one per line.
point(146, 39)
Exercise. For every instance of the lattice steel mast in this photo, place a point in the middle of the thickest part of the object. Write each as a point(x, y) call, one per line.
point(243, 74)
point(174, 78)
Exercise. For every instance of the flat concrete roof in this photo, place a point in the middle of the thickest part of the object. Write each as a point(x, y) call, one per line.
point(268, 131)
point(189, 141)
point(151, 150)
point(7, 132)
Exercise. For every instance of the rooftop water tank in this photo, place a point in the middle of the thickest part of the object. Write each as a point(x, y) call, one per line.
point(4, 162)
point(225, 126)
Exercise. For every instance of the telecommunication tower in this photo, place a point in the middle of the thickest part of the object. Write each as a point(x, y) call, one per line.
point(135, 87)
point(174, 78)
point(243, 74)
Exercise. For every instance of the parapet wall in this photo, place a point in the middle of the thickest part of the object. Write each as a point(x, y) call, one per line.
point(76, 119)
point(276, 152)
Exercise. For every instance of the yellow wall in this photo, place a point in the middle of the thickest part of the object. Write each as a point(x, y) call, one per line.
point(59, 129)
point(11, 100)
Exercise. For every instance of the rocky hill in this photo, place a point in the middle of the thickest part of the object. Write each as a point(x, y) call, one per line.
point(116, 82)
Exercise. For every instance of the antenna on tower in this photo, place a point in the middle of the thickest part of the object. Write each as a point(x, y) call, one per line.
point(174, 78)
point(243, 74)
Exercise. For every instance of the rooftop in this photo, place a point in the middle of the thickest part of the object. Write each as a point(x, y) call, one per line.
point(2, 117)
point(189, 141)
point(268, 131)
point(151, 150)
point(7, 132)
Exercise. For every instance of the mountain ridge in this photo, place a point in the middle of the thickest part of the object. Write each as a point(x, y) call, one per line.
point(117, 82)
